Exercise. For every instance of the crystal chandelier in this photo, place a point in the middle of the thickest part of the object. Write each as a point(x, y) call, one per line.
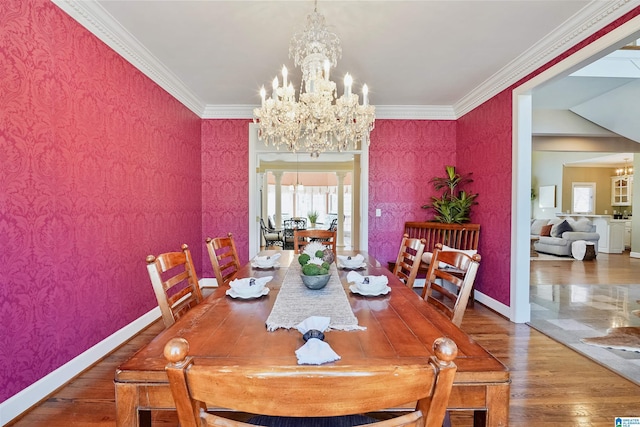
point(319, 121)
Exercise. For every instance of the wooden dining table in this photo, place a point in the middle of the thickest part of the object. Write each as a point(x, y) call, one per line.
point(400, 329)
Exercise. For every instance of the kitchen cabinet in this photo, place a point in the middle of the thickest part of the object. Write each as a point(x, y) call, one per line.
point(627, 234)
point(621, 190)
point(611, 234)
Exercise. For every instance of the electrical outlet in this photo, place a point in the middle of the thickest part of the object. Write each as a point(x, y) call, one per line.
point(378, 212)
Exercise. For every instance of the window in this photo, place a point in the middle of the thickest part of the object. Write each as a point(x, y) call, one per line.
point(583, 197)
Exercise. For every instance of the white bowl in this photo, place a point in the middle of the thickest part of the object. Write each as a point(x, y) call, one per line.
point(375, 285)
point(247, 288)
point(351, 262)
point(264, 263)
point(267, 261)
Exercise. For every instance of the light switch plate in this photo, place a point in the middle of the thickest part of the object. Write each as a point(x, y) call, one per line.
point(378, 212)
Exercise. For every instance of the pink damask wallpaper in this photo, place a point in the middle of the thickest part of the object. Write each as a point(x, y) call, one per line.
point(484, 148)
point(404, 155)
point(99, 168)
point(225, 185)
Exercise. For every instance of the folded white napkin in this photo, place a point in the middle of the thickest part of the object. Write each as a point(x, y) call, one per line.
point(351, 261)
point(316, 352)
point(249, 286)
point(375, 283)
point(267, 260)
point(319, 323)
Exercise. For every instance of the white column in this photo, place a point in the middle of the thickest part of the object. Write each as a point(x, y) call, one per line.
point(340, 176)
point(278, 216)
point(264, 202)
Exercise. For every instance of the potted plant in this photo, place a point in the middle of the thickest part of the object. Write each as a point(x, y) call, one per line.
point(454, 205)
point(313, 217)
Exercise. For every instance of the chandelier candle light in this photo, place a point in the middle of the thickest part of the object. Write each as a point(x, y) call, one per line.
point(319, 121)
point(626, 171)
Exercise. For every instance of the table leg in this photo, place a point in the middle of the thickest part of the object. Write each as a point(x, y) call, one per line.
point(498, 405)
point(127, 406)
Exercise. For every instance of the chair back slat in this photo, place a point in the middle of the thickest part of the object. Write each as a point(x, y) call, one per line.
point(224, 258)
point(408, 260)
point(301, 238)
point(459, 236)
point(449, 281)
point(175, 283)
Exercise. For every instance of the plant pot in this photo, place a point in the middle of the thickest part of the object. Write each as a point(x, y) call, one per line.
point(315, 282)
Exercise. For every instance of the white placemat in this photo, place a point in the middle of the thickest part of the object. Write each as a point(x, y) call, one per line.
point(295, 302)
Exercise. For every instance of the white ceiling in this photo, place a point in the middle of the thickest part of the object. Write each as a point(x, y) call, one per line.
point(420, 59)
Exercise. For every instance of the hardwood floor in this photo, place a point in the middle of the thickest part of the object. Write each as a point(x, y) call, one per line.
point(617, 269)
point(552, 385)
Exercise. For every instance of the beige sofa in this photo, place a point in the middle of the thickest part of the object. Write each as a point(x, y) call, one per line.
point(562, 234)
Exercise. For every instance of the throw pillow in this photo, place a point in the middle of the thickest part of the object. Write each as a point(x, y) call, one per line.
point(428, 256)
point(546, 230)
point(583, 224)
point(470, 252)
point(561, 228)
point(537, 224)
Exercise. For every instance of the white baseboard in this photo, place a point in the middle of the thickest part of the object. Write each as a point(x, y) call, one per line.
point(493, 304)
point(30, 396)
point(634, 254)
point(208, 282)
point(481, 298)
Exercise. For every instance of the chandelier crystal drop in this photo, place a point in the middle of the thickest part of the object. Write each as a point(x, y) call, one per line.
point(318, 121)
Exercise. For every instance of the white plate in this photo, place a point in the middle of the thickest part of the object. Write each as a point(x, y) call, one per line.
point(354, 288)
point(344, 267)
point(275, 265)
point(233, 294)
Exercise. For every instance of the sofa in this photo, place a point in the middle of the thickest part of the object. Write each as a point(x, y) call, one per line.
point(556, 235)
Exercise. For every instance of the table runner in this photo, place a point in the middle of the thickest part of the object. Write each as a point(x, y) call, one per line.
point(295, 302)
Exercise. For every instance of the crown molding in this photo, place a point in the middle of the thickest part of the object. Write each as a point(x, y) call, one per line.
point(415, 112)
point(91, 15)
point(233, 111)
point(399, 112)
point(593, 17)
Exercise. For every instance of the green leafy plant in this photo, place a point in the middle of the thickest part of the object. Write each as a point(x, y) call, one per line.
point(454, 205)
point(313, 216)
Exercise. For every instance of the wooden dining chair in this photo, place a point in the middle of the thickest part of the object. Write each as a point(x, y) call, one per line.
point(309, 393)
point(409, 258)
point(302, 238)
point(224, 258)
point(450, 280)
point(175, 283)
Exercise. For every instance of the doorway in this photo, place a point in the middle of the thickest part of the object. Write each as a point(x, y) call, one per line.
point(522, 149)
point(353, 163)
